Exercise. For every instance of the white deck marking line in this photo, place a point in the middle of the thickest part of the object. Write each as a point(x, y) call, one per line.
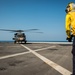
point(10, 46)
point(13, 55)
point(45, 48)
point(13, 46)
point(57, 67)
point(17, 54)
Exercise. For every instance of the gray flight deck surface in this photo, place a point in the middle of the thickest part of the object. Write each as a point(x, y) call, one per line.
point(35, 59)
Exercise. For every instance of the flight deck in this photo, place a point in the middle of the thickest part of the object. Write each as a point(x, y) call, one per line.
point(35, 58)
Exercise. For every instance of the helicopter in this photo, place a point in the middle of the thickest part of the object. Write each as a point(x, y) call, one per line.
point(19, 36)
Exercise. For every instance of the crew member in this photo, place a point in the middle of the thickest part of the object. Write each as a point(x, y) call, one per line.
point(70, 28)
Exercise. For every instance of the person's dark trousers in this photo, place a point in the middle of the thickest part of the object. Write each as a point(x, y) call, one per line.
point(73, 52)
point(73, 65)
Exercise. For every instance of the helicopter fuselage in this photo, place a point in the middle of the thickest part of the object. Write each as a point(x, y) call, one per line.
point(19, 37)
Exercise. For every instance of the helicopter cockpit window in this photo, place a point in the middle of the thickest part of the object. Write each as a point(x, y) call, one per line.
point(20, 35)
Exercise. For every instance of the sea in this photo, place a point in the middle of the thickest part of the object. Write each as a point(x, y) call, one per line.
point(33, 41)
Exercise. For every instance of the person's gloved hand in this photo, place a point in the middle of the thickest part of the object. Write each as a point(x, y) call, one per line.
point(69, 38)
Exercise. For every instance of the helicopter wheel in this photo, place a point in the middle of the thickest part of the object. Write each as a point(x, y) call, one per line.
point(25, 42)
point(21, 42)
point(14, 41)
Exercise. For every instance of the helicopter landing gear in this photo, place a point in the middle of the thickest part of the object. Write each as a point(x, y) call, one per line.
point(14, 41)
point(20, 42)
point(25, 42)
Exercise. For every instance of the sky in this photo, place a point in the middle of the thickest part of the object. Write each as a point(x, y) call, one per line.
point(46, 15)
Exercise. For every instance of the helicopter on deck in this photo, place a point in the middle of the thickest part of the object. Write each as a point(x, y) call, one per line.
point(19, 36)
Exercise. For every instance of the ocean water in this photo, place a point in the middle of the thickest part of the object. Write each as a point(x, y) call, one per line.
point(33, 41)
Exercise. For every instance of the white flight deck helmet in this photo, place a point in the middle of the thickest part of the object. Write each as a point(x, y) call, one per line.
point(70, 7)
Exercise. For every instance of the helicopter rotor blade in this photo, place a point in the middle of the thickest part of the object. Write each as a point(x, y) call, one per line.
point(30, 30)
point(37, 32)
point(18, 30)
point(6, 30)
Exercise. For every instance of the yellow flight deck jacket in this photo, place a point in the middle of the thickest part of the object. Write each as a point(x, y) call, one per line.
point(70, 23)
